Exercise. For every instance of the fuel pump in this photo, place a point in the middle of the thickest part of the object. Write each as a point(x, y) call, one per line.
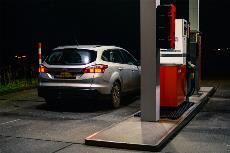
point(195, 56)
point(173, 69)
point(191, 67)
point(177, 68)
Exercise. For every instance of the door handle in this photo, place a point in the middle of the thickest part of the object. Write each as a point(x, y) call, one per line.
point(120, 68)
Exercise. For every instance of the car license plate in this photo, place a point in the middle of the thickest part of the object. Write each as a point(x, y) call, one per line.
point(66, 75)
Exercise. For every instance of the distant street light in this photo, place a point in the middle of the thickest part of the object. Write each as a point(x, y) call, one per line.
point(20, 57)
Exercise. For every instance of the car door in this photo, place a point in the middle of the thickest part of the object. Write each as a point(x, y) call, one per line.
point(131, 63)
point(124, 70)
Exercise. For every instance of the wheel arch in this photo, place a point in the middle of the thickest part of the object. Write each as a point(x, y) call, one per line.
point(116, 78)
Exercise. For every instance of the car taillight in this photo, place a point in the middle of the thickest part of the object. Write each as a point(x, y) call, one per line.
point(99, 68)
point(42, 69)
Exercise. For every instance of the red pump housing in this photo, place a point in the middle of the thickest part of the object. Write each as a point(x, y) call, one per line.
point(172, 85)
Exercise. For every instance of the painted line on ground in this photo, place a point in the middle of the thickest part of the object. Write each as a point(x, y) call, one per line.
point(10, 122)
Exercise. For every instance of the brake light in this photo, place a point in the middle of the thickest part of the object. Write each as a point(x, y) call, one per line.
point(99, 68)
point(42, 69)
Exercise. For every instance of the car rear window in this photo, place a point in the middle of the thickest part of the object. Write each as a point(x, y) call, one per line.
point(71, 57)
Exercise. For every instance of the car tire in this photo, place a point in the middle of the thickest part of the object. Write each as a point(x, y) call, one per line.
point(116, 95)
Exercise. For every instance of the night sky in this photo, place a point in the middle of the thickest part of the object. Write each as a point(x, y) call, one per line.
point(55, 23)
point(214, 22)
point(111, 22)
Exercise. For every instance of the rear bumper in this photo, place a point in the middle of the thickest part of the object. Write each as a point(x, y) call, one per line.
point(67, 92)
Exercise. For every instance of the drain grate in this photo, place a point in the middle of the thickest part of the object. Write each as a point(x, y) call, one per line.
point(22, 100)
point(175, 113)
point(172, 113)
point(3, 99)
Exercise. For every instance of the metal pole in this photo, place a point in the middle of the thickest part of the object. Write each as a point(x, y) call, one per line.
point(194, 17)
point(150, 63)
point(40, 53)
point(194, 6)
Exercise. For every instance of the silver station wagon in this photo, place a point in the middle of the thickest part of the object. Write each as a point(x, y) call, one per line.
point(88, 72)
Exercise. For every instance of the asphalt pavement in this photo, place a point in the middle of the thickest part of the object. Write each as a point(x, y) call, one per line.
point(209, 131)
point(28, 125)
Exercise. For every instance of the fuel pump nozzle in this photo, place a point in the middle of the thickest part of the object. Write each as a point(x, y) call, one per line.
point(191, 67)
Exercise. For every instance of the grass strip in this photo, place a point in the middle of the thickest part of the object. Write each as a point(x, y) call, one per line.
point(17, 85)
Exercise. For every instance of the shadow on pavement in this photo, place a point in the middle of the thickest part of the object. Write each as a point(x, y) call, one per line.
point(72, 105)
point(86, 105)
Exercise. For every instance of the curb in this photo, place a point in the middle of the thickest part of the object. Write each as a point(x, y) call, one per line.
point(111, 142)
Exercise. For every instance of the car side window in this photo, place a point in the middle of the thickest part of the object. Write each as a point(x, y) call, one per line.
point(106, 56)
point(129, 59)
point(112, 56)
